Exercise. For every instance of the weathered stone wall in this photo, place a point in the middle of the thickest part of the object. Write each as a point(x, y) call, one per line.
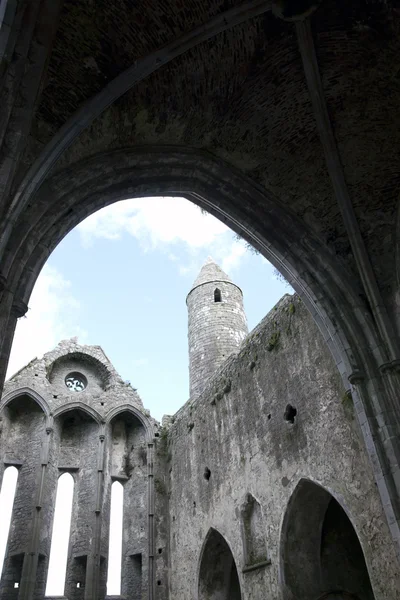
point(20, 445)
point(240, 481)
point(234, 441)
point(215, 329)
point(99, 435)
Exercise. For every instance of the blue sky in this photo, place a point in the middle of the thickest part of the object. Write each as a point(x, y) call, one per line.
point(120, 280)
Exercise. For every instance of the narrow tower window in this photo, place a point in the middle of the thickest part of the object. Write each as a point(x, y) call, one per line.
point(60, 536)
point(115, 544)
point(217, 295)
point(7, 495)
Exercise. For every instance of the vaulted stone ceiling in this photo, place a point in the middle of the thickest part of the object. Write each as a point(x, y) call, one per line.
point(242, 96)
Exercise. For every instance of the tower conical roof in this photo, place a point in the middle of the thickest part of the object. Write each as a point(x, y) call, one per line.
point(210, 271)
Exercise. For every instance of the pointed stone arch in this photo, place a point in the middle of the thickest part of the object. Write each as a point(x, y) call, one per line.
point(80, 406)
point(98, 369)
point(130, 450)
point(321, 555)
point(145, 422)
point(30, 393)
point(218, 576)
point(24, 420)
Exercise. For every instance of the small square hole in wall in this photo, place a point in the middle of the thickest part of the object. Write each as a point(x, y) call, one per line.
point(16, 584)
point(79, 585)
point(102, 403)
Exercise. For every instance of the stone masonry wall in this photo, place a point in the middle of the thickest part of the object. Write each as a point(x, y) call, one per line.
point(237, 431)
point(46, 429)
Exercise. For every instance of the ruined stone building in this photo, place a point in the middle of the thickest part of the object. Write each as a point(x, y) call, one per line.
point(282, 119)
point(260, 486)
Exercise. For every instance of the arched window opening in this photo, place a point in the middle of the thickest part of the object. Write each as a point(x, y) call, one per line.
point(217, 295)
point(252, 525)
point(218, 576)
point(7, 495)
point(322, 556)
point(60, 536)
point(342, 561)
point(115, 542)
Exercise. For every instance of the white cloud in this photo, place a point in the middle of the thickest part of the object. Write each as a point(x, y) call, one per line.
point(52, 316)
point(238, 250)
point(160, 222)
point(153, 221)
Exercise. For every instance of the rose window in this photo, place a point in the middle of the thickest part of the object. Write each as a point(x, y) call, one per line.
point(76, 382)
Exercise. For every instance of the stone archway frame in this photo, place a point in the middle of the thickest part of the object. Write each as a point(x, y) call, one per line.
point(212, 184)
point(114, 90)
point(325, 494)
point(211, 531)
point(80, 406)
point(105, 374)
point(31, 556)
point(143, 420)
point(331, 294)
point(25, 391)
point(149, 436)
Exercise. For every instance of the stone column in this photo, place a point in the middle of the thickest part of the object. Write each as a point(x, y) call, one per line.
point(29, 569)
point(92, 583)
point(150, 500)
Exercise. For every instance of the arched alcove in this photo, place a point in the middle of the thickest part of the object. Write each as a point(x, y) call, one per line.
point(128, 449)
point(127, 460)
point(96, 373)
point(218, 576)
point(76, 437)
point(320, 550)
point(23, 431)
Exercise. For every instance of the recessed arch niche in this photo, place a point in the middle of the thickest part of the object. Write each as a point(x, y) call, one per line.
point(218, 576)
point(23, 431)
point(75, 451)
point(92, 371)
point(321, 554)
point(127, 464)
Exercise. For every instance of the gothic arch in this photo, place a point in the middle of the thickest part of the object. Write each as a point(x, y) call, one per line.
point(217, 575)
point(332, 295)
point(25, 391)
point(141, 69)
point(80, 406)
point(76, 192)
point(136, 413)
point(86, 358)
point(321, 553)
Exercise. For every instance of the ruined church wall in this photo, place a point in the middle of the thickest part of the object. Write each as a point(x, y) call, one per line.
point(37, 409)
point(236, 429)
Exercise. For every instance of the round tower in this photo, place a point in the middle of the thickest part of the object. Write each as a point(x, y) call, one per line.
point(217, 323)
